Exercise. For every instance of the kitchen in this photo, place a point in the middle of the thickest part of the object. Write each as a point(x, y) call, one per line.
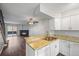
point(52, 27)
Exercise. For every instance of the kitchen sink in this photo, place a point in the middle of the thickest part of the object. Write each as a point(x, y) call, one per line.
point(49, 38)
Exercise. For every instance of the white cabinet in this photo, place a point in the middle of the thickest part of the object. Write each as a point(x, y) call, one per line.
point(75, 22)
point(70, 22)
point(65, 23)
point(54, 46)
point(45, 51)
point(30, 51)
point(57, 24)
point(74, 49)
point(65, 47)
point(51, 49)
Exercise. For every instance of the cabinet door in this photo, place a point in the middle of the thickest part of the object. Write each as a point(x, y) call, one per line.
point(74, 49)
point(52, 49)
point(45, 51)
point(54, 46)
point(65, 23)
point(29, 51)
point(65, 47)
point(57, 24)
point(75, 22)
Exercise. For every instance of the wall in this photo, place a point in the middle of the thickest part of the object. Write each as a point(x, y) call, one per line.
point(39, 28)
point(67, 32)
point(19, 27)
point(70, 12)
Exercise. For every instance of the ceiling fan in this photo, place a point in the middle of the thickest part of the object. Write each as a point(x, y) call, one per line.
point(33, 20)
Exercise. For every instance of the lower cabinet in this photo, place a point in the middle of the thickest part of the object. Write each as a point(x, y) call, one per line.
point(64, 47)
point(30, 51)
point(74, 49)
point(51, 49)
point(69, 48)
point(54, 48)
point(45, 51)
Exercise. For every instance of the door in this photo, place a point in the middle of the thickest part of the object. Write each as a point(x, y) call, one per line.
point(75, 22)
point(57, 23)
point(45, 51)
point(65, 47)
point(65, 23)
point(56, 47)
point(74, 49)
point(52, 49)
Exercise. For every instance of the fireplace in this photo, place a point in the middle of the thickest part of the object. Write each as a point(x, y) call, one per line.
point(24, 33)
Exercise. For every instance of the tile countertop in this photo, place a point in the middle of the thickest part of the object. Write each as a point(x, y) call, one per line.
point(37, 42)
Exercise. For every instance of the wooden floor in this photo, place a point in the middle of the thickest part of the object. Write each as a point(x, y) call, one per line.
point(16, 47)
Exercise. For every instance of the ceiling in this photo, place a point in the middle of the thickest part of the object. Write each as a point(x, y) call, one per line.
point(19, 12)
point(60, 7)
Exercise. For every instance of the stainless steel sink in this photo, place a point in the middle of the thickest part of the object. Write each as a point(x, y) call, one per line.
point(50, 38)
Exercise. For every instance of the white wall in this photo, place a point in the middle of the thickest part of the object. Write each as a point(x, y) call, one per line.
point(39, 28)
point(19, 26)
point(70, 12)
point(67, 32)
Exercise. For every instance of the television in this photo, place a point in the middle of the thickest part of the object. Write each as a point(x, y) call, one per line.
point(24, 33)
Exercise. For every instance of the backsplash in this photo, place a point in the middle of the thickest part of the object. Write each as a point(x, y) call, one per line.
point(67, 32)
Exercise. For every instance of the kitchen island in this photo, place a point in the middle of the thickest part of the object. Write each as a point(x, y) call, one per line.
point(41, 46)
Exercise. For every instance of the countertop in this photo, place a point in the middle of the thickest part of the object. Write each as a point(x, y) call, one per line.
point(37, 42)
point(68, 38)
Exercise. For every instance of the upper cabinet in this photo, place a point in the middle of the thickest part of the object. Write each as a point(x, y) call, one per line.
point(57, 24)
point(75, 22)
point(65, 23)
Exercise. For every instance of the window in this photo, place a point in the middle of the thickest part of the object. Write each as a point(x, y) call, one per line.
point(12, 30)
